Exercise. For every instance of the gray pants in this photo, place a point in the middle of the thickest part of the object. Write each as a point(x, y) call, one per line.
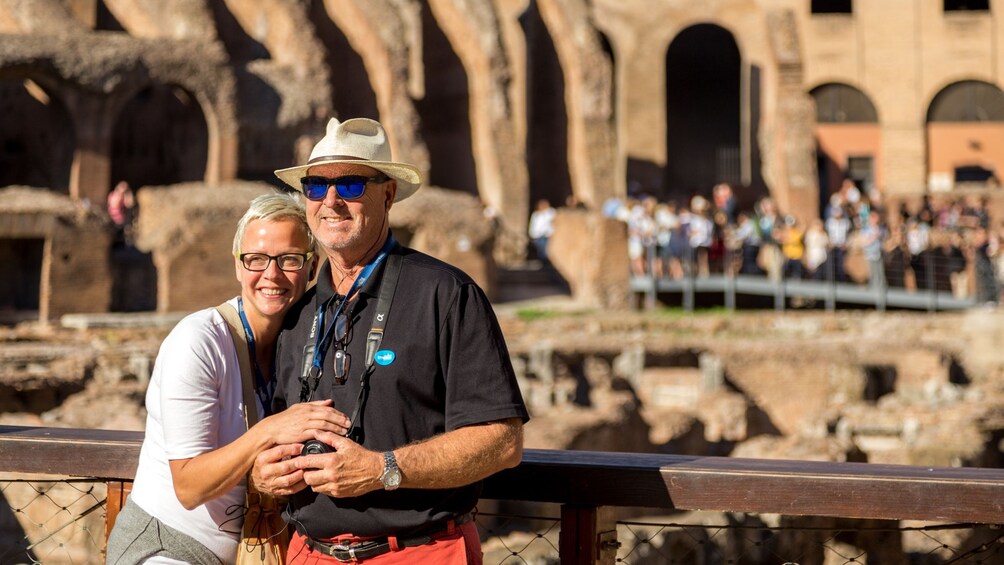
point(138, 536)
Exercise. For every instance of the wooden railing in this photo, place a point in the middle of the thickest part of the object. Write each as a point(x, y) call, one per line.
point(584, 483)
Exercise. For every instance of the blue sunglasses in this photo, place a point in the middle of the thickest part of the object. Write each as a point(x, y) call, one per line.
point(349, 187)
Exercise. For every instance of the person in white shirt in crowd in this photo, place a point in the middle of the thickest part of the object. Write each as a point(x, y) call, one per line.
point(666, 222)
point(701, 231)
point(838, 228)
point(918, 240)
point(816, 245)
point(541, 227)
point(641, 234)
point(747, 238)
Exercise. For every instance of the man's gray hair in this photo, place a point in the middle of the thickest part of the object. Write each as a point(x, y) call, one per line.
point(273, 207)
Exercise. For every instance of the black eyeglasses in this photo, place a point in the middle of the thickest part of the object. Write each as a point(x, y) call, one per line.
point(348, 187)
point(286, 261)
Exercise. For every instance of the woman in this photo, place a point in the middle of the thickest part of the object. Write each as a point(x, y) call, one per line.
point(186, 504)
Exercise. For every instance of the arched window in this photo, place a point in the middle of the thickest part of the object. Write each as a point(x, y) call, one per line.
point(160, 137)
point(37, 139)
point(839, 103)
point(968, 101)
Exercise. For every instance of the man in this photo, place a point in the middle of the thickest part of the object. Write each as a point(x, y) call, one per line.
point(427, 383)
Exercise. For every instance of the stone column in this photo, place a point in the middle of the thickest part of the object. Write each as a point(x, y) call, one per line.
point(386, 34)
point(90, 174)
point(588, 75)
point(793, 166)
point(474, 32)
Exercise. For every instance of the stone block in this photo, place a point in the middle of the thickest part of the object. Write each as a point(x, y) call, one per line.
point(590, 253)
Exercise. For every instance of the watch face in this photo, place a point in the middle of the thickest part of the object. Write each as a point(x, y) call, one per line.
point(391, 479)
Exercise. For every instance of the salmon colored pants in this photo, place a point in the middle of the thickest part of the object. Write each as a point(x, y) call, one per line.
point(459, 547)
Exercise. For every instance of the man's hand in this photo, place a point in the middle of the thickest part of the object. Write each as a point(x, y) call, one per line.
point(275, 471)
point(351, 470)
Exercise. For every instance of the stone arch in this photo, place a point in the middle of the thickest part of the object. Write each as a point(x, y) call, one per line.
point(848, 139)
point(703, 112)
point(37, 134)
point(546, 114)
point(444, 111)
point(352, 94)
point(161, 136)
point(274, 50)
point(965, 135)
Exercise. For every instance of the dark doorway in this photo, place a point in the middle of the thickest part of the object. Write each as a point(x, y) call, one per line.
point(445, 111)
point(19, 288)
point(134, 280)
point(546, 116)
point(36, 137)
point(702, 112)
point(160, 138)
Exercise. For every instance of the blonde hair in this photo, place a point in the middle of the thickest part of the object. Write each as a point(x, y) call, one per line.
point(274, 207)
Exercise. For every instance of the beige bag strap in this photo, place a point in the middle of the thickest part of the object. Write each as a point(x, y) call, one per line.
point(230, 314)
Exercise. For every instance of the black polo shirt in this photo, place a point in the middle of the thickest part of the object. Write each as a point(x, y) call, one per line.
point(451, 369)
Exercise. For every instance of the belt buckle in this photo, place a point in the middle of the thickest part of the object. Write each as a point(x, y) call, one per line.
point(345, 548)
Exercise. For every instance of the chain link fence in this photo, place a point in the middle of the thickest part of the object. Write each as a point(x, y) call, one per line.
point(732, 539)
point(55, 522)
point(62, 522)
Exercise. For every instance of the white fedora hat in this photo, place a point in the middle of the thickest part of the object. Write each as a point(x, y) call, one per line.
point(360, 141)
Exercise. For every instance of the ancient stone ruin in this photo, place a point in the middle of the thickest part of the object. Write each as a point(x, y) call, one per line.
point(506, 102)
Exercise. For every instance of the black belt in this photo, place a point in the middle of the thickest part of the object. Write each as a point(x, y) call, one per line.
point(357, 551)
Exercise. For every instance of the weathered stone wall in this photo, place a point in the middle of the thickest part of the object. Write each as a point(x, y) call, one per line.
point(75, 274)
point(450, 226)
point(79, 274)
point(190, 229)
point(888, 388)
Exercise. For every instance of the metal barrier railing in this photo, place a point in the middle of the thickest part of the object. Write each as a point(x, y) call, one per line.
point(931, 281)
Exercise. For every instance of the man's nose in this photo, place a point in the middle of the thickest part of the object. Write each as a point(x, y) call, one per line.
point(331, 198)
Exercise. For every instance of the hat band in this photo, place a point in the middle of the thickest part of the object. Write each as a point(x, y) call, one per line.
point(337, 158)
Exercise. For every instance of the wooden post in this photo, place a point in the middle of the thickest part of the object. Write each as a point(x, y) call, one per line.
point(588, 535)
point(115, 500)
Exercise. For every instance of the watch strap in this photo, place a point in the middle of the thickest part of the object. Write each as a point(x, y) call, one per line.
point(391, 476)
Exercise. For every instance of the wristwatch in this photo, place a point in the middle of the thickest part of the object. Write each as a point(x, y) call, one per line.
point(391, 476)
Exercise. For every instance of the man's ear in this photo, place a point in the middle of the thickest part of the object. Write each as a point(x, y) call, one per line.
point(391, 194)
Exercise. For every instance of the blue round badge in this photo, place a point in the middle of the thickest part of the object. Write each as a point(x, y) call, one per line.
point(384, 357)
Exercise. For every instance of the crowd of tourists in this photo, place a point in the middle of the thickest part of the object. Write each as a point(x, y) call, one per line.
point(943, 242)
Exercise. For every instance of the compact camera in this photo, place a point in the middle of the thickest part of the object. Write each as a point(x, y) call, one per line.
point(316, 447)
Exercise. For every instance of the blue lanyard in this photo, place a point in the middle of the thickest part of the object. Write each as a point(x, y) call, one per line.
point(323, 339)
point(264, 389)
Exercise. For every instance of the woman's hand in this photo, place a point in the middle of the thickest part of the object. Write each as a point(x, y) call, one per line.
point(301, 422)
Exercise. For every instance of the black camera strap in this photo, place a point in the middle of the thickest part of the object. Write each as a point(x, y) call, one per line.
point(317, 343)
point(388, 286)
